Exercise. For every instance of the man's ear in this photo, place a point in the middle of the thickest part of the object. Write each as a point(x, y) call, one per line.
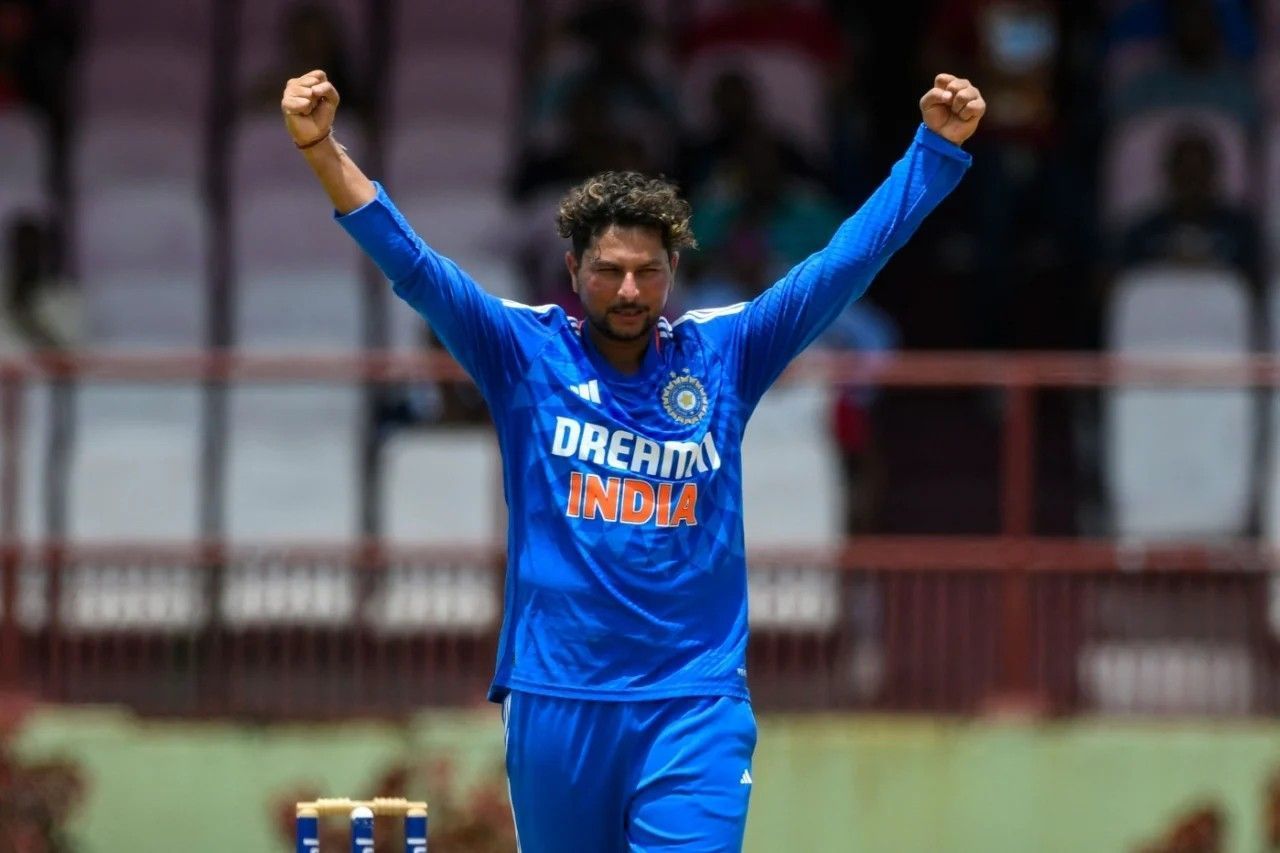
point(675, 262)
point(571, 263)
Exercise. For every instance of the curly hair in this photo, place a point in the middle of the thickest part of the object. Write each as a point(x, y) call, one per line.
point(627, 199)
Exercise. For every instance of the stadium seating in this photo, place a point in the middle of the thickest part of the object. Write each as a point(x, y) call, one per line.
point(146, 311)
point(443, 597)
point(292, 463)
point(301, 311)
point(1129, 59)
point(121, 151)
point(263, 157)
point(297, 274)
point(260, 46)
point(433, 154)
point(185, 24)
point(134, 465)
point(141, 227)
point(283, 229)
point(470, 512)
point(119, 78)
point(488, 26)
point(155, 599)
point(467, 226)
point(1134, 179)
point(1271, 197)
point(1271, 492)
point(142, 251)
point(1180, 462)
point(795, 418)
point(24, 167)
point(37, 421)
point(1183, 677)
point(454, 83)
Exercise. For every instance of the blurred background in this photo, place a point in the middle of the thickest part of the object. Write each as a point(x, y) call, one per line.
point(1012, 519)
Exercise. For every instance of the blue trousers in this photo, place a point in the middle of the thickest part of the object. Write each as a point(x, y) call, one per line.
point(627, 777)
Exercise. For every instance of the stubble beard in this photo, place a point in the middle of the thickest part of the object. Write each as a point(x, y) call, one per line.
point(602, 325)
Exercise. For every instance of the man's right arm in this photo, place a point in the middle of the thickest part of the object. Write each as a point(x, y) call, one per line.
point(309, 104)
point(490, 338)
point(346, 186)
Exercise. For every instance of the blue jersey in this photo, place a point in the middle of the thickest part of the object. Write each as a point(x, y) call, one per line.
point(626, 566)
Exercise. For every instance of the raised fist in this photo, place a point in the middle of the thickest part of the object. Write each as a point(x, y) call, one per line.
point(309, 105)
point(952, 108)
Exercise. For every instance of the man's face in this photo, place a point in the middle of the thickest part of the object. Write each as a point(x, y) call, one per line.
point(623, 280)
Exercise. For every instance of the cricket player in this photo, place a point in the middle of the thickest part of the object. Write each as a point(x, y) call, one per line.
point(622, 657)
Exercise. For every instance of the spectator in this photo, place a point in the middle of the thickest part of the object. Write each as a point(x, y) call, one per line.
point(797, 58)
point(1150, 20)
point(1196, 70)
point(754, 222)
point(736, 115)
point(740, 273)
point(1194, 225)
point(40, 311)
point(1012, 46)
point(590, 144)
point(1135, 32)
point(310, 36)
point(759, 211)
point(610, 40)
point(1028, 210)
point(861, 328)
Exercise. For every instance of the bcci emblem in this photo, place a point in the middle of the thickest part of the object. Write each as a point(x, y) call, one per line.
point(685, 399)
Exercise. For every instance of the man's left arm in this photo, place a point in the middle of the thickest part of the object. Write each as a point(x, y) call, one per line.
point(786, 318)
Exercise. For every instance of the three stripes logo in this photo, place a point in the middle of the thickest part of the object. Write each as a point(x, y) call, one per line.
point(589, 391)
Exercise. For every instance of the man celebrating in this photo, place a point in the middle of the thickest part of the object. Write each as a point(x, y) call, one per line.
point(622, 657)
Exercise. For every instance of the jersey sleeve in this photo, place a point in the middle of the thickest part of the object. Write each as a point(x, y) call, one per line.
point(493, 339)
point(777, 325)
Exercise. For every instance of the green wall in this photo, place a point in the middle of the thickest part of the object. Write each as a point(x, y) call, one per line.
point(821, 783)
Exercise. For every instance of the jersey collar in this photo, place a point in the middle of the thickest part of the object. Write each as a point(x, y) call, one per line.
point(651, 363)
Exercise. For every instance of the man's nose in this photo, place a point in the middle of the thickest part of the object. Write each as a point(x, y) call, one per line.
point(629, 290)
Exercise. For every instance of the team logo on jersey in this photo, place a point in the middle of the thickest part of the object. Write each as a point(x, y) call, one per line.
point(685, 399)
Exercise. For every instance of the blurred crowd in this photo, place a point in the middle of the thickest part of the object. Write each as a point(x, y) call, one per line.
point(1120, 134)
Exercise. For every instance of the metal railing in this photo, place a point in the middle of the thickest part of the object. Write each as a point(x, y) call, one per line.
point(939, 624)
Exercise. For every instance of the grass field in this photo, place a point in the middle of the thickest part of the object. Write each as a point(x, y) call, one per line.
point(849, 784)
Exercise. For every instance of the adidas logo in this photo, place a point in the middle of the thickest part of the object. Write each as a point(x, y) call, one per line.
point(589, 391)
point(746, 778)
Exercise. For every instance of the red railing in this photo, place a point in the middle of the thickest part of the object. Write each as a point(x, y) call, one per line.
point(928, 623)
